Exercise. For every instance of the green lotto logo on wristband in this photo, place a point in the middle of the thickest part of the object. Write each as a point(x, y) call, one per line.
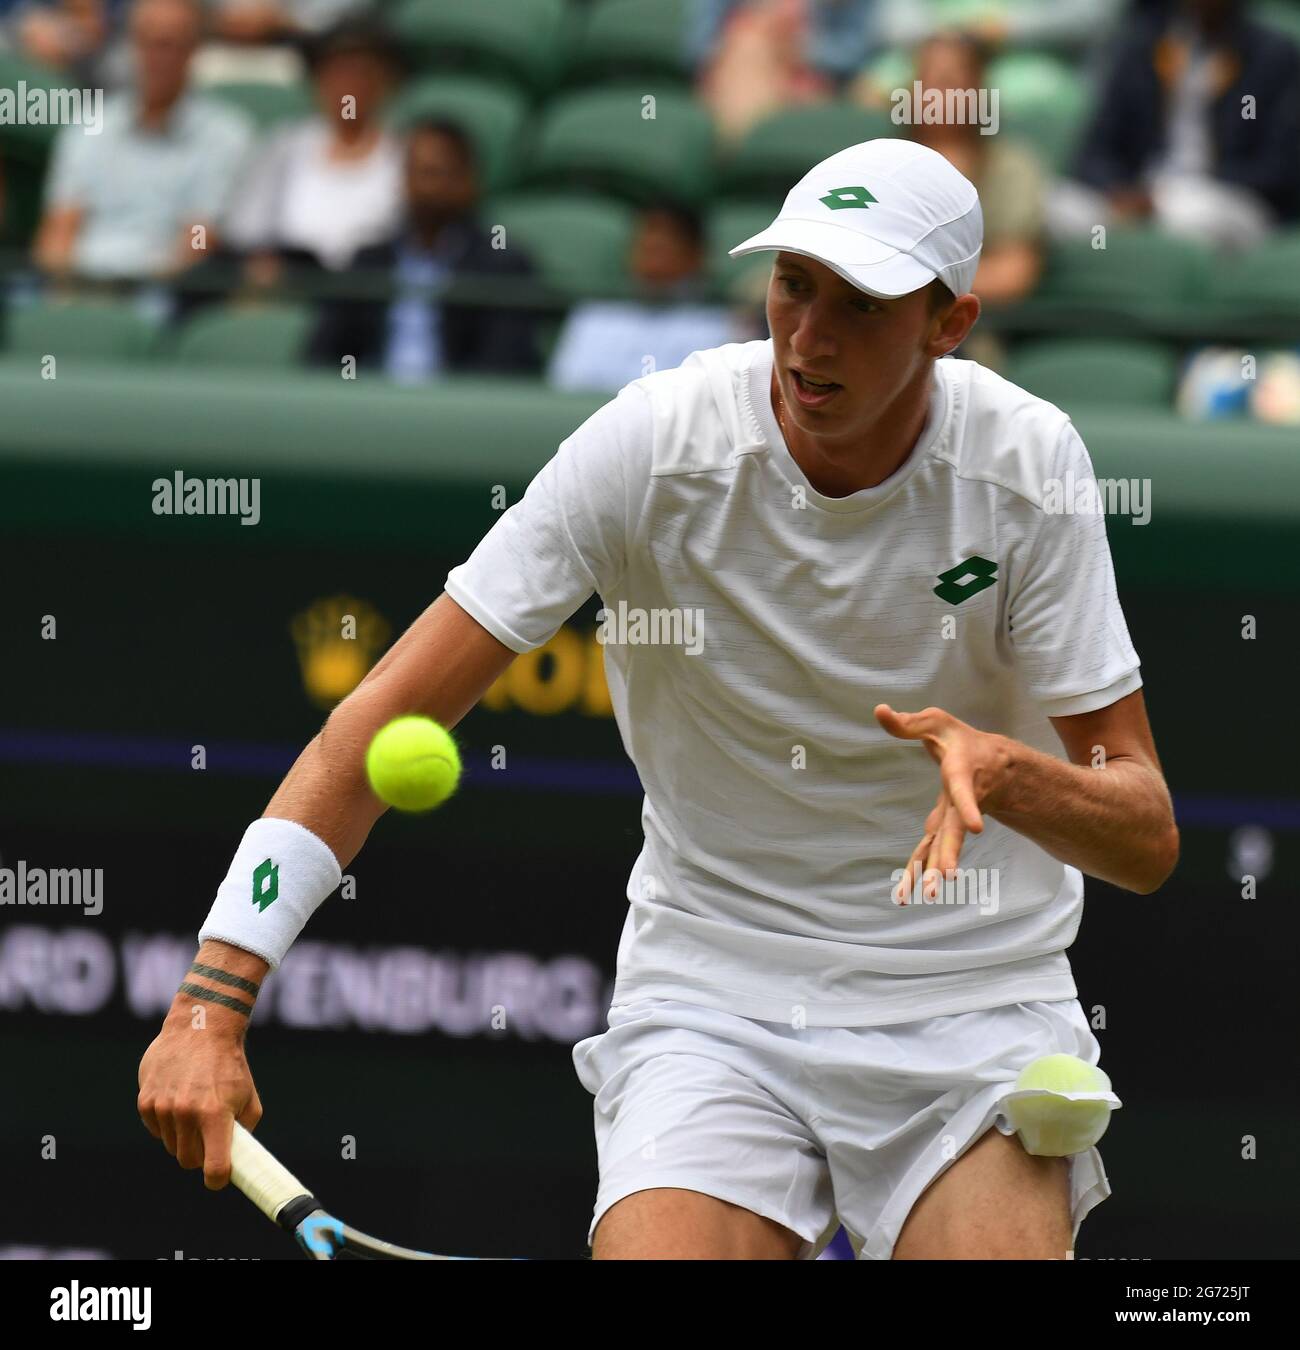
point(266, 885)
point(966, 579)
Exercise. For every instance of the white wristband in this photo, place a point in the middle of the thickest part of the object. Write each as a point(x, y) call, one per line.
point(280, 875)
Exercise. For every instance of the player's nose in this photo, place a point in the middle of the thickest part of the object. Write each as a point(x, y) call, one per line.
point(812, 340)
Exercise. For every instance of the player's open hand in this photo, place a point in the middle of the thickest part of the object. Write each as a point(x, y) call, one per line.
point(970, 763)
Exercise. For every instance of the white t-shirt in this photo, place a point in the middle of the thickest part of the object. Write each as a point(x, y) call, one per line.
point(295, 196)
point(778, 813)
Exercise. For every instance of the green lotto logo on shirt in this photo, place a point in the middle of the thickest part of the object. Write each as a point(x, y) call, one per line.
point(966, 579)
point(266, 884)
point(841, 197)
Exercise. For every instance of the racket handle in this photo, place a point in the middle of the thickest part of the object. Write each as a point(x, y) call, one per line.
point(267, 1183)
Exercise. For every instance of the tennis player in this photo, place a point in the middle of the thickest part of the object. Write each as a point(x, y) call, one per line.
point(907, 669)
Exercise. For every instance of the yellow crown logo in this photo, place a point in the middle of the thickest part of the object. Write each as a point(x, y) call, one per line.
point(338, 640)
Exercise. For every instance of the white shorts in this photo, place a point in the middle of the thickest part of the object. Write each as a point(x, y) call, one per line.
point(816, 1127)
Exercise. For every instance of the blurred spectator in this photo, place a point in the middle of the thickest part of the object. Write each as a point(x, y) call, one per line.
point(261, 41)
point(1214, 384)
point(328, 186)
point(903, 23)
point(415, 337)
point(70, 36)
point(1223, 382)
point(258, 21)
point(837, 33)
point(125, 204)
point(754, 57)
point(1011, 183)
point(1275, 397)
point(1196, 129)
point(606, 343)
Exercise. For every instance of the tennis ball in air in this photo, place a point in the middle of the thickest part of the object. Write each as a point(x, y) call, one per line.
point(1061, 1105)
point(413, 764)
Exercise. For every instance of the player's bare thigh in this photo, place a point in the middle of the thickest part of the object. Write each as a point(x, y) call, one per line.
point(996, 1202)
point(666, 1223)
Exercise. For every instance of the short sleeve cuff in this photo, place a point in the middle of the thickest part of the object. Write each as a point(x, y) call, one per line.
point(1098, 698)
point(477, 611)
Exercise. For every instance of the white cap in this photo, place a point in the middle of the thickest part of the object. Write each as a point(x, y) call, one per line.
point(888, 215)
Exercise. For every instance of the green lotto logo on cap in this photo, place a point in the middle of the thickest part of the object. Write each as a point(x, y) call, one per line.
point(966, 579)
point(266, 884)
point(841, 197)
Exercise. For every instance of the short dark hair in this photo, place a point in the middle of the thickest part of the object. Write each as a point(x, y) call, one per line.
point(938, 296)
point(685, 218)
point(348, 37)
point(452, 131)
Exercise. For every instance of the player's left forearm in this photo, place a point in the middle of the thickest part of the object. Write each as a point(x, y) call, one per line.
point(1115, 822)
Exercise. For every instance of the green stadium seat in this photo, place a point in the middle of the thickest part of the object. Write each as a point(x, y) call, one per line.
point(491, 112)
point(579, 243)
point(1282, 15)
point(522, 40)
point(779, 150)
point(623, 38)
point(24, 199)
point(266, 104)
point(1041, 100)
point(1138, 267)
point(269, 337)
point(100, 330)
point(31, 137)
point(966, 13)
point(598, 139)
point(1111, 371)
point(24, 152)
point(1033, 79)
point(1267, 277)
point(730, 223)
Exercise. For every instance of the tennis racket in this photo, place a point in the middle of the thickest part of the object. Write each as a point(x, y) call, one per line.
point(287, 1202)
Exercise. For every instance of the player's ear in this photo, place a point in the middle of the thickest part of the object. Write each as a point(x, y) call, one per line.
point(950, 324)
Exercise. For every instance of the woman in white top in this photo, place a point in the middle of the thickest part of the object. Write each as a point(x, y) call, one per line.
point(331, 184)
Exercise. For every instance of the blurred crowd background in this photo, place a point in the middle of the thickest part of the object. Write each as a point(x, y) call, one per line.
point(548, 188)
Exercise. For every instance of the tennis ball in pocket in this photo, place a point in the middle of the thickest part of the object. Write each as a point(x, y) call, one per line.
point(413, 764)
point(1061, 1105)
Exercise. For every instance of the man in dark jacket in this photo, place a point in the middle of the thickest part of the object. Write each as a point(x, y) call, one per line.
point(419, 332)
point(1196, 125)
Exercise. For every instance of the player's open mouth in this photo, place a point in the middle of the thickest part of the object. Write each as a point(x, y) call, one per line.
point(810, 394)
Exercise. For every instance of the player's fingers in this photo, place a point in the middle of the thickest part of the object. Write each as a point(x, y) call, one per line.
point(886, 716)
point(968, 807)
point(961, 791)
point(252, 1111)
point(945, 844)
point(217, 1129)
point(912, 870)
point(166, 1125)
point(930, 876)
point(189, 1141)
point(948, 841)
point(144, 1105)
point(935, 818)
point(904, 725)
